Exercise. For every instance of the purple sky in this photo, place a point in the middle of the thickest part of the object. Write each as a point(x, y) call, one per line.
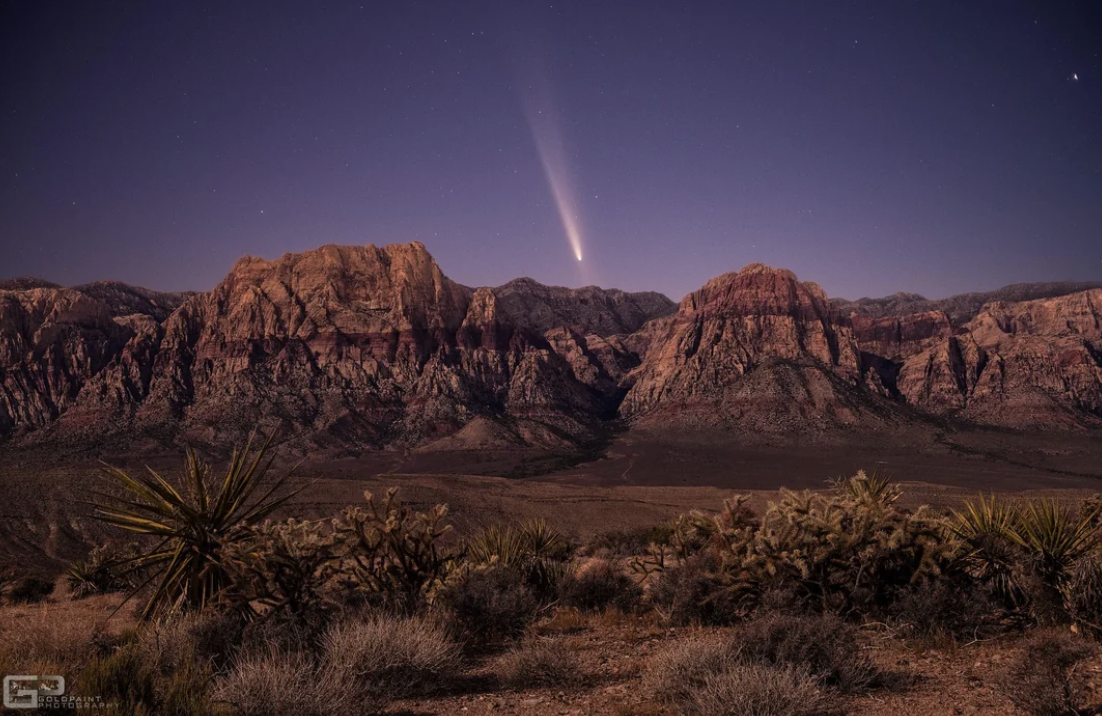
point(935, 147)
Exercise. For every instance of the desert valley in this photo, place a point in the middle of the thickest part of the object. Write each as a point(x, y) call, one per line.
point(481, 358)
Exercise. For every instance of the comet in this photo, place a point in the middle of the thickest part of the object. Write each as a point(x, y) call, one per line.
point(552, 151)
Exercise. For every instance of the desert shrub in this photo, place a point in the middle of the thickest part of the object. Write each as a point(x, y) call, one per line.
point(539, 663)
point(757, 690)
point(694, 592)
point(278, 683)
point(390, 555)
point(599, 585)
point(29, 590)
point(282, 566)
point(206, 640)
point(491, 603)
point(679, 670)
point(104, 570)
point(1082, 595)
point(304, 633)
point(1042, 680)
point(629, 542)
point(384, 657)
point(824, 645)
point(122, 677)
point(944, 608)
point(193, 524)
point(534, 549)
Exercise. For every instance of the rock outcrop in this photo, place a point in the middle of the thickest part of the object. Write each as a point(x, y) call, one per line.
point(366, 347)
point(758, 350)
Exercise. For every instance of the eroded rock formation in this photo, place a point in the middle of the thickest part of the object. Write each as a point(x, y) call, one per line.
point(366, 347)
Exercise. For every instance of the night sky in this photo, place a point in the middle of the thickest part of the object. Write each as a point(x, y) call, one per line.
point(935, 147)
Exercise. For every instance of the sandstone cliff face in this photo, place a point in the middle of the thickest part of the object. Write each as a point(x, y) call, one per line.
point(350, 346)
point(758, 349)
point(1033, 364)
point(52, 342)
point(366, 347)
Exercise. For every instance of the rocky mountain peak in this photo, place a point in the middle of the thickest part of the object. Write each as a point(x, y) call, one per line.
point(759, 289)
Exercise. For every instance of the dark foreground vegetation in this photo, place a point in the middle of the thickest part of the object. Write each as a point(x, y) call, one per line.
point(230, 612)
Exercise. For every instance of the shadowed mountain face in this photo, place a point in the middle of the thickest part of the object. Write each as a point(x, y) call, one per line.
point(361, 347)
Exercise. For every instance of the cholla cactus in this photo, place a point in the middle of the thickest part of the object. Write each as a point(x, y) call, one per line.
point(392, 554)
point(836, 552)
point(283, 566)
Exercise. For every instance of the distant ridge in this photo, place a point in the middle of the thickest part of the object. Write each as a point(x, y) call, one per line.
point(962, 307)
point(25, 283)
point(353, 348)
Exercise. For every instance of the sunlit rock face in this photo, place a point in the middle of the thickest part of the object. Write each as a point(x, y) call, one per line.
point(757, 349)
point(356, 348)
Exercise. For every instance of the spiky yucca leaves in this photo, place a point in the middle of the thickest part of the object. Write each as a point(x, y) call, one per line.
point(1055, 537)
point(192, 524)
point(391, 554)
point(988, 551)
point(104, 570)
point(535, 548)
point(1028, 553)
point(283, 566)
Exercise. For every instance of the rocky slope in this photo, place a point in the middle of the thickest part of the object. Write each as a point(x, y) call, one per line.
point(366, 347)
point(125, 300)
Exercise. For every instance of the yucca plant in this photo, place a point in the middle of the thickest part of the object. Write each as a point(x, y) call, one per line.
point(985, 530)
point(101, 572)
point(1055, 537)
point(535, 548)
point(192, 524)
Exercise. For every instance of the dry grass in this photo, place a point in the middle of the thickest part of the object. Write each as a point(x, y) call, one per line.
point(757, 690)
point(539, 663)
point(389, 657)
point(277, 683)
point(60, 633)
point(173, 643)
point(675, 673)
point(1043, 679)
point(826, 646)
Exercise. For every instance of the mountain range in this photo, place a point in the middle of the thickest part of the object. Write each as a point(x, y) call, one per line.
point(352, 348)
